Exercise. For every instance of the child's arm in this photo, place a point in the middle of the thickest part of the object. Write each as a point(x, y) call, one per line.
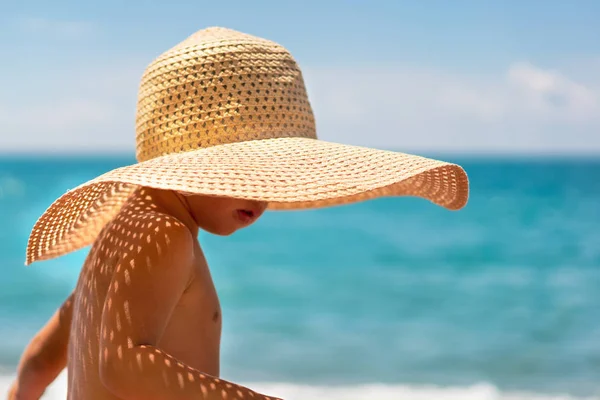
point(45, 356)
point(145, 289)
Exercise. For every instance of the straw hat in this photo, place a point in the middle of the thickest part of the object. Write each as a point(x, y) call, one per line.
point(225, 113)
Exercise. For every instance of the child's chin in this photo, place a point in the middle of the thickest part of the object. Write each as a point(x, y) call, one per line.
point(221, 231)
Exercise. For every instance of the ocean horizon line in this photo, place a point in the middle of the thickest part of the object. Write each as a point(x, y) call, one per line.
point(449, 156)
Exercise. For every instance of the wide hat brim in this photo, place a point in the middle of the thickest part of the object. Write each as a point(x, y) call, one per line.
point(288, 173)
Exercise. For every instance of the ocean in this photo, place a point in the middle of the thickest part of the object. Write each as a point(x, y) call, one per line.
point(393, 298)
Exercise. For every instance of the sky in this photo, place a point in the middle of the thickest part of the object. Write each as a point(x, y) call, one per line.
point(462, 76)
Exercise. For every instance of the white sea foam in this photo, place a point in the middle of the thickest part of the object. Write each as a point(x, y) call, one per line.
point(289, 391)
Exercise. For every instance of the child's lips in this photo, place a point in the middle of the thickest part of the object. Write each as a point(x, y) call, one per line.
point(246, 216)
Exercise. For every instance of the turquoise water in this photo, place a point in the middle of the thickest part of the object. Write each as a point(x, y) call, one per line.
point(504, 293)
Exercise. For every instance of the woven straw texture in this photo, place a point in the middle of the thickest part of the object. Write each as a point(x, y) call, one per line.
point(226, 114)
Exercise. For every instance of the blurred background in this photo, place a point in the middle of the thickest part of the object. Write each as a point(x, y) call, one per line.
point(388, 299)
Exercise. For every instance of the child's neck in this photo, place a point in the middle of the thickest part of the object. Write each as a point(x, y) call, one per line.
point(167, 202)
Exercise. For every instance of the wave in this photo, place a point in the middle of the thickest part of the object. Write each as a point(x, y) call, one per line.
point(292, 391)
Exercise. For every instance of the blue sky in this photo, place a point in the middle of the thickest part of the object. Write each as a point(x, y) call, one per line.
point(429, 76)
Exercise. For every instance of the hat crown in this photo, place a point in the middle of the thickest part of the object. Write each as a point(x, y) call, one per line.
point(220, 86)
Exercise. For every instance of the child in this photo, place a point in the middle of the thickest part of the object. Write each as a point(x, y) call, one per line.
point(224, 130)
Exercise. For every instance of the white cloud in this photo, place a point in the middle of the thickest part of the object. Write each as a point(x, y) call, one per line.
point(554, 95)
point(87, 109)
point(522, 109)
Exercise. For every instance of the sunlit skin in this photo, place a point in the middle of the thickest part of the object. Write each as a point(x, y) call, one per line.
point(144, 320)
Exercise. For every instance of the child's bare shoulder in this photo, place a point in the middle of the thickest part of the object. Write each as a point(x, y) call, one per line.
point(154, 252)
point(146, 239)
point(144, 228)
